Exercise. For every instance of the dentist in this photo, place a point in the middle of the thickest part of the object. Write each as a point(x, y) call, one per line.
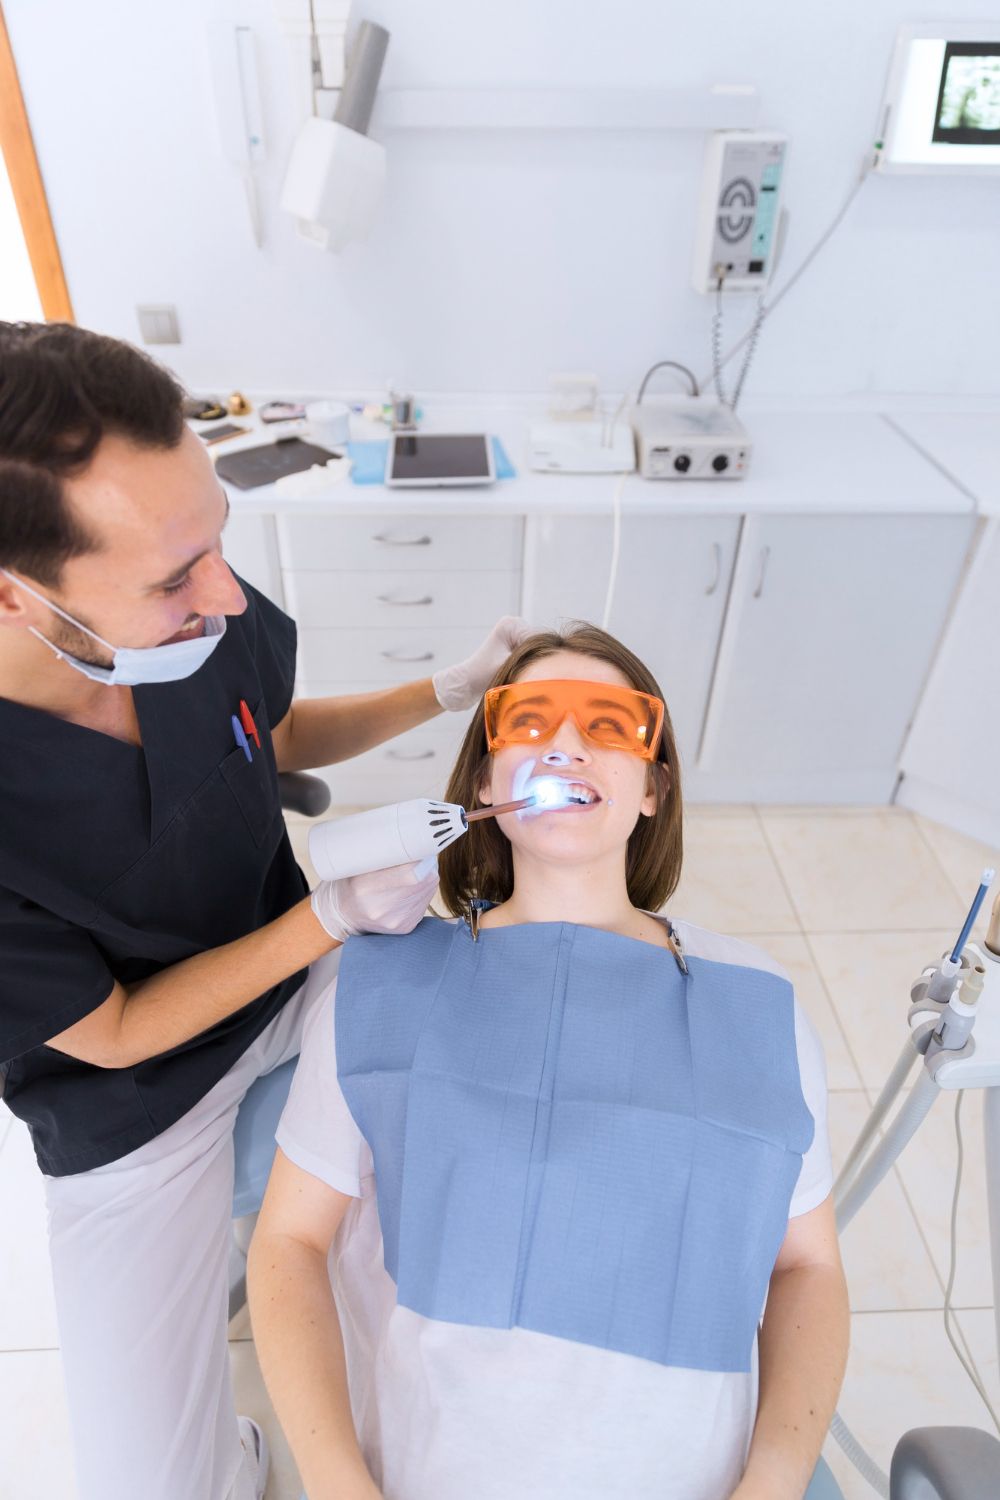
point(158, 946)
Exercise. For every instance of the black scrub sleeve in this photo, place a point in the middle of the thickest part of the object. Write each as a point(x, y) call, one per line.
point(52, 974)
point(273, 641)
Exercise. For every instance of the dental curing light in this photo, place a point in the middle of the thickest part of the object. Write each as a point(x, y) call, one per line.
point(409, 831)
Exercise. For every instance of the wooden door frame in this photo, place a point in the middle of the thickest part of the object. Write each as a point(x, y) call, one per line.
point(18, 150)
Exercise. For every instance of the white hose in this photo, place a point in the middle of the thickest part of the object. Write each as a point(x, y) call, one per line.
point(865, 1465)
point(881, 1107)
point(884, 1155)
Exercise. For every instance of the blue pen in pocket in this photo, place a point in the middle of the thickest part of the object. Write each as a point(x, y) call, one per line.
point(241, 739)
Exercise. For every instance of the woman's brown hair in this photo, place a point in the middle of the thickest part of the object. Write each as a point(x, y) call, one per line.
point(480, 866)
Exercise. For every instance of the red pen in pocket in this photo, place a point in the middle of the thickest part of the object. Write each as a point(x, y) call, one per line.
point(246, 719)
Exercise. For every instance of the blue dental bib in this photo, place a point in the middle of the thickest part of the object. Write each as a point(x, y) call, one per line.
point(572, 1136)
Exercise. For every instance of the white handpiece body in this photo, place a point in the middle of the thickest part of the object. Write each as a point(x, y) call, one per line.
point(384, 837)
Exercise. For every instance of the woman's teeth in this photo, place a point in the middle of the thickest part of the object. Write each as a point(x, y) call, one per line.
point(581, 795)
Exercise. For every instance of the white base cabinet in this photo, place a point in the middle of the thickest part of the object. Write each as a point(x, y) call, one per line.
point(829, 636)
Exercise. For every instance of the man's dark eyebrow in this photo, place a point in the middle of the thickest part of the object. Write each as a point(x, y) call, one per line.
point(182, 572)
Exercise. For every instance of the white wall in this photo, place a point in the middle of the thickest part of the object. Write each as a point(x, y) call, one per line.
point(501, 257)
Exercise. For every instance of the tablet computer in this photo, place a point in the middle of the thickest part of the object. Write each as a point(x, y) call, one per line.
point(433, 458)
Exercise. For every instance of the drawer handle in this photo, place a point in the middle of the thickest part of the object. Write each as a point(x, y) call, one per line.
point(718, 569)
point(765, 553)
point(405, 603)
point(402, 755)
point(399, 656)
point(402, 541)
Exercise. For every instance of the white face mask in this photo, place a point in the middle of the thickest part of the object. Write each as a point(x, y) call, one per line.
point(134, 666)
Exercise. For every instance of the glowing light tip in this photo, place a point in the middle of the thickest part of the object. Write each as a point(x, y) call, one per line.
point(550, 791)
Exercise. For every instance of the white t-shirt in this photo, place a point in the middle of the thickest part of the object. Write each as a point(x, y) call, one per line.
point(453, 1411)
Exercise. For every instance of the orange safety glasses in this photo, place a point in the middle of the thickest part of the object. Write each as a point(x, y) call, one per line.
point(616, 718)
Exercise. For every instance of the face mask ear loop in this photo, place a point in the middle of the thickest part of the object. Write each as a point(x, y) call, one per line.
point(19, 583)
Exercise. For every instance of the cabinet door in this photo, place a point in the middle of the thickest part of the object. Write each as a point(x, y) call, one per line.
point(673, 581)
point(828, 640)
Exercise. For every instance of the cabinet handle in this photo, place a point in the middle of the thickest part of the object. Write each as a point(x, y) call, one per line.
point(765, 553)
point(402, 541)
point(718, 569)
point(400, 656)
point(401, 755)
point(405, 603)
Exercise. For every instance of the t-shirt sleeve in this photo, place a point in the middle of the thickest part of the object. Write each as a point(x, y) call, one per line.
point(274, 649)
point(317, 1130)
point(816, 1175)
point(52, 974)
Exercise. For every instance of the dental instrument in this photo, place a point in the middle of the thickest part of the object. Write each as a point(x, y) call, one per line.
point(416, 830)
point(946, 1004)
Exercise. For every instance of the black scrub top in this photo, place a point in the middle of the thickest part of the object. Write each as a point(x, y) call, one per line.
point(117, 861)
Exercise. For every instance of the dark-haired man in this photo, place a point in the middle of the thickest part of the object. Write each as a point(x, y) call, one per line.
point(158, 948)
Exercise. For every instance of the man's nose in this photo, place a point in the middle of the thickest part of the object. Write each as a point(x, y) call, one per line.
point(217, 592)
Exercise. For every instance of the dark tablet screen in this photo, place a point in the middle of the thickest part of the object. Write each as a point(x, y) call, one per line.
point(431, 455)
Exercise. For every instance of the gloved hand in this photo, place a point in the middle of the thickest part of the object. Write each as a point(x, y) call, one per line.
point(384, 901)
point(463, 685)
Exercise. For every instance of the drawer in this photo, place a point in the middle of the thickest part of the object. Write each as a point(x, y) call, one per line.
point(400, 543)
point(399, 600)
point(414, 765)
point(380, 658)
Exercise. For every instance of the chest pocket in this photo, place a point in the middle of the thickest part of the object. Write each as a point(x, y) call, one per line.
point(200, 883)
point(254, 783)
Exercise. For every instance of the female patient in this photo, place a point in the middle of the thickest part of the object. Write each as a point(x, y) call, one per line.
point(562, 1150)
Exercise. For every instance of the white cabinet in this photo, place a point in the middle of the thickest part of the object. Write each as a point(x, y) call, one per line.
point(249, 545)
point(386, 598)
point(673, 582)
point(829, 635)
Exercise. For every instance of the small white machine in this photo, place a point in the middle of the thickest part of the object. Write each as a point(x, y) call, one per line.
point(574, 447)
point(738, 215)
point(689, 437)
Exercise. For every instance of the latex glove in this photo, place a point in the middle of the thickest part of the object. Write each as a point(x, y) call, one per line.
point(385, 901)
point(463, 685)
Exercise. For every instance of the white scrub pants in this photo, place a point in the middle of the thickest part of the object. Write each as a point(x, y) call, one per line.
point(140, 1261)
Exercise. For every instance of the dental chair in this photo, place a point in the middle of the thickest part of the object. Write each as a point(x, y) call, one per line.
point(929, 1463)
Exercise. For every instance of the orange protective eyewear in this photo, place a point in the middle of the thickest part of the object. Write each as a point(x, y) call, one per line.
point(616, 718)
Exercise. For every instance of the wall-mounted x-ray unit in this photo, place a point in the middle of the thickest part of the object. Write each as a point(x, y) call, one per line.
point(941, 110)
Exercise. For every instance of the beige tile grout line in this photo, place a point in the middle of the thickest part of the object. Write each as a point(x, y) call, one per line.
point(864, 1088)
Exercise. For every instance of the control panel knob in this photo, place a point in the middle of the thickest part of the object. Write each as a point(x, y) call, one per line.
point(720, 463)
point(682, 463)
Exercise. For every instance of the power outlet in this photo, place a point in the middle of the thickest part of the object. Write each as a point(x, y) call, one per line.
point(158, 324)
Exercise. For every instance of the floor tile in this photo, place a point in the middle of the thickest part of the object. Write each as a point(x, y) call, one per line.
point(36, 1460)
point(791, 950)
point(252, 1400)
point(927, 1168)
point(980, 1330)
point(887, 1264)
point(902, 1373)
point(868, 977)
point(27, 1308)
point(963, 861)
point(730, 882)
point(865, 871)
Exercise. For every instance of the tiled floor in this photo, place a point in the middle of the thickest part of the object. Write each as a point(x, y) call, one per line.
point(853, 902)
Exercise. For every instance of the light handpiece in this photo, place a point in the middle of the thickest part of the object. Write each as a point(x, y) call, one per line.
point(395, 835)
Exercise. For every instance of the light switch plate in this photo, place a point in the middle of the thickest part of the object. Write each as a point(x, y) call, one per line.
point(158, 323)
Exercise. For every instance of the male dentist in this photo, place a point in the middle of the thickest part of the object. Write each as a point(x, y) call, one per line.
point(158, 946)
